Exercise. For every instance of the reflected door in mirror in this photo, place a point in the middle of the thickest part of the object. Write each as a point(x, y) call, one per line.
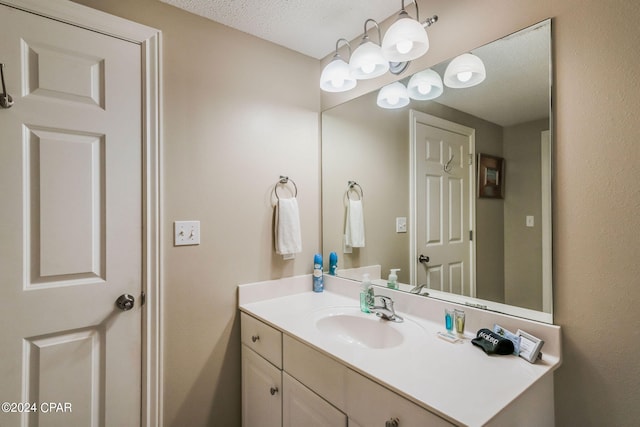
point(443, 185)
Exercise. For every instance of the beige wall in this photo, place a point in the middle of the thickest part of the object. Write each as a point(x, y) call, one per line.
point(213, 142)
point(238, 112)
point(369, 145)
point(523, 197)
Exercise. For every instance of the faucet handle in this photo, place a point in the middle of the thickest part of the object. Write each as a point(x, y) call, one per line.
point(386, 311)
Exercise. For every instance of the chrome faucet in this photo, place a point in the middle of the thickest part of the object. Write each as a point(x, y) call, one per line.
point(386, 310)
point(418, 289)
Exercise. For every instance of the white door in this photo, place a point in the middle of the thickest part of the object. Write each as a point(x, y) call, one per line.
point(70, 225)
point(443, 197)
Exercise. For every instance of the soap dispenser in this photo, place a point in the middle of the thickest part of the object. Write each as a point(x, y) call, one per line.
point(393, 279)
point(366, 294)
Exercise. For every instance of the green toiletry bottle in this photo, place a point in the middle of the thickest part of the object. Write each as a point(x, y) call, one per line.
point(393, 279)
point(366, 294)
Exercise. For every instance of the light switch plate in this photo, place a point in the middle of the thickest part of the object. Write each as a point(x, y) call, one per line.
point(401, 224)
point(530, 221)
point(186, 233)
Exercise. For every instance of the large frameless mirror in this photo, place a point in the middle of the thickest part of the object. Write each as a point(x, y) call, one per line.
point(455, 191)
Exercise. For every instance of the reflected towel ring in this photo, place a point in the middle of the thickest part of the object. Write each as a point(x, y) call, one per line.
point(351, 187)
point(283, 181)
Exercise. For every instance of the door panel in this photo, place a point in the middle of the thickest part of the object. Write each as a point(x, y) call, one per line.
point(443, 209)
point(70, 223)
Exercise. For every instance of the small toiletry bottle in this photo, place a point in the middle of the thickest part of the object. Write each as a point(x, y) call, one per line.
point(333, 263)
point(393, 279)
point(448, 319)
point(366, 294)
point(318, 284)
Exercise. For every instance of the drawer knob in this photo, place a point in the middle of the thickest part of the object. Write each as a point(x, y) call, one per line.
point(273, 390)
point(255, 338)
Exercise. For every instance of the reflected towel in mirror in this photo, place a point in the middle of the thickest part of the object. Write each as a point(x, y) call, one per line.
point(354, 230)
point(288, 236)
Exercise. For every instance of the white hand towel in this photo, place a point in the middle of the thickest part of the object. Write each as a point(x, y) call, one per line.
point(355, 224)
point(288, 237)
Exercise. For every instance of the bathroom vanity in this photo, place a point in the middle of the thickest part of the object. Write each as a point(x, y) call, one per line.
point(314, 359)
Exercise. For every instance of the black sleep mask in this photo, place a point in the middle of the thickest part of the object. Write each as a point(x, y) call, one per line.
point(492, 343)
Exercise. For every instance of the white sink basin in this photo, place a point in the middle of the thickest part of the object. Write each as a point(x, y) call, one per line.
point(351, 326)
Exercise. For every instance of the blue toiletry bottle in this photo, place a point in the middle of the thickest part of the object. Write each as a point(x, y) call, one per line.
point(333, 263)
point(318, 285)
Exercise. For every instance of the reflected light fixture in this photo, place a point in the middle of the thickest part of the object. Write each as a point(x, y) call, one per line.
point(393, 95)
point(406, 39)
point(367, 61)
point(336, 76)
point(464, 71)
point(425, 85)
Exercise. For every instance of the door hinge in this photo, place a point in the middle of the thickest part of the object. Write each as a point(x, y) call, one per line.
point(470, 159)
point(471, 235)
point(143, 298)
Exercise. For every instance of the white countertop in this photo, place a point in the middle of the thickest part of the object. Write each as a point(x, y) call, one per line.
point(458, 381)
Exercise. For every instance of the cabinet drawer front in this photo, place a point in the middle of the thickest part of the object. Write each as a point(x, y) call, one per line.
point(370, 404)
point(262, 338)
point(261, 391)
point(320, 373)
point(302, 407)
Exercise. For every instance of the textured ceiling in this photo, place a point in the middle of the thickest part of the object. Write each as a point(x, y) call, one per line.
point(311, 27)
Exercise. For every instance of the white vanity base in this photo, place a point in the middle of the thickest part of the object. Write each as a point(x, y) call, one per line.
point(425, 381)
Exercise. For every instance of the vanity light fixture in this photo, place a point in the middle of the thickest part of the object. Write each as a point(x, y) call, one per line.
point(464, 71)
point(367, 61)
point(425, 85)
point(407, 38)
point(336, 76)
point(393, 96)
point(404, 41)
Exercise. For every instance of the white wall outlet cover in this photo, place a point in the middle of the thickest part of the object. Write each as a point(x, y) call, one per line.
point(529, 221)
point(186, 233)
point(401, 224)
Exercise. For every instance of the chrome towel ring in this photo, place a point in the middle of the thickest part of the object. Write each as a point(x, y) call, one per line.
point(351, 186)
point(284, 180)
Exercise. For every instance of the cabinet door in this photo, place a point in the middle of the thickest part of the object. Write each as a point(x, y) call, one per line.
point(261, 391)
point(302, 407)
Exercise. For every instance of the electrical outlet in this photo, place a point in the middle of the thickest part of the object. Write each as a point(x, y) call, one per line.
point(530, 221)
point(186, 233)
point(401, 224)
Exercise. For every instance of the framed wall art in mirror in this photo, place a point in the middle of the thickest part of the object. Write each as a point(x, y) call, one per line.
point(491, 176)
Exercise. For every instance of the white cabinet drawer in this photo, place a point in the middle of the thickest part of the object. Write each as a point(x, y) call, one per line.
point(320, 373)
point(261, 338)
point(302, 407)
point(370, 404)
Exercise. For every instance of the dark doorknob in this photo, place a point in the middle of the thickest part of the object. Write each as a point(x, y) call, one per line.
point(423, 259)
point(125, 302)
